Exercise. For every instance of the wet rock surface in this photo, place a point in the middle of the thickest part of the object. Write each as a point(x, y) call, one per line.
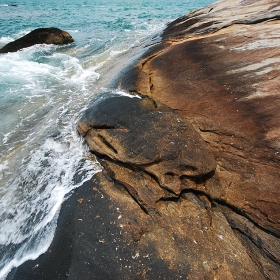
point(219, 68)
point(191, 178)
point(39, 36)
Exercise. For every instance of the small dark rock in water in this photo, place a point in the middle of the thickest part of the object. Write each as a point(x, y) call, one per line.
point(55, 133)
point(39, 36)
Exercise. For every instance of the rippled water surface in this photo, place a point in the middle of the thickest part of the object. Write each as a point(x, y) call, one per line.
point(42, 91)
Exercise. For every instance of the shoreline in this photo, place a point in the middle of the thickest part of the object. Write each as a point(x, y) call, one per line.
point(48, 265)
point(164, 207)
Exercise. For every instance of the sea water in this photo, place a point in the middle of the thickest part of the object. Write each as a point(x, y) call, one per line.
point(43, 89)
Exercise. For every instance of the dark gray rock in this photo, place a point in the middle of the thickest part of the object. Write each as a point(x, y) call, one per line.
point(39, 36)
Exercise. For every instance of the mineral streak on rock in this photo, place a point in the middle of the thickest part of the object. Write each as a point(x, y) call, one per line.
point(39, 36)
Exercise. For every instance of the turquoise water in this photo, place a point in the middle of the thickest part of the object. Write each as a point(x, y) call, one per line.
point(42, 91)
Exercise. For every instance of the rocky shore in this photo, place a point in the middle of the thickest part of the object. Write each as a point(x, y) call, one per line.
point(190, 184)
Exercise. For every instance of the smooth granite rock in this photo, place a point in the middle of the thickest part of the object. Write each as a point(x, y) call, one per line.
point(39, 36)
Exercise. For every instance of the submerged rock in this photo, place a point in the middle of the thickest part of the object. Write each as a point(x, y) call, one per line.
point(39, 36)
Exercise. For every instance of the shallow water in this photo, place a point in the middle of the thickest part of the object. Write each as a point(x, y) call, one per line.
point(42, 91)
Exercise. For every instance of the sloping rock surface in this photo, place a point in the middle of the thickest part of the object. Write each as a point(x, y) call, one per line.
point(39, 36)
point(219, 67)
point(227, 83)
point(155, 154)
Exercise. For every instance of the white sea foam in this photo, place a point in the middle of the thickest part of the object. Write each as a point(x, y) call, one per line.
point(45, 92)
point(22, 33)
point(43, 88)
point(7, 39)
point(40, 81)
point(31, 200)
point(124, 93)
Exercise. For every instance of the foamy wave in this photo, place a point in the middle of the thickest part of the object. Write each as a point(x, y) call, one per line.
point(44, 93)
point(40, 80)
point(32, 199)
point(5, 40)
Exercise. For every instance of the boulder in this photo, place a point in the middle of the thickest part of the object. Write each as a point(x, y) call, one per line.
point(161, 174)
point(39, 36)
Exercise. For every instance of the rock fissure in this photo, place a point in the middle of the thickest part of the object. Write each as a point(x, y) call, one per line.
point(243, 214)
point(103, 139)
point(104, 127)
point(267, 242)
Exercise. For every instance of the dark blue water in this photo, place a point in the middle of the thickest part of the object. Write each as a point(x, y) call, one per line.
point(43, 89)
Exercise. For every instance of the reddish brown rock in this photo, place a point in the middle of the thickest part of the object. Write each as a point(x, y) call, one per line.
point(39, 36)
point(219, 67)
point(154, 162)
point(226, 83)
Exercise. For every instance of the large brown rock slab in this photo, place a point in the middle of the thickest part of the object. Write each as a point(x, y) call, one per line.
point(189, 187)
point(148, 136)
point(39, 36)
point(167, 212)
point(219, 68)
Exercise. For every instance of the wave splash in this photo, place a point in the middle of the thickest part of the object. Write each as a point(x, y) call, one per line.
point(31, 200)
point(42, 158)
